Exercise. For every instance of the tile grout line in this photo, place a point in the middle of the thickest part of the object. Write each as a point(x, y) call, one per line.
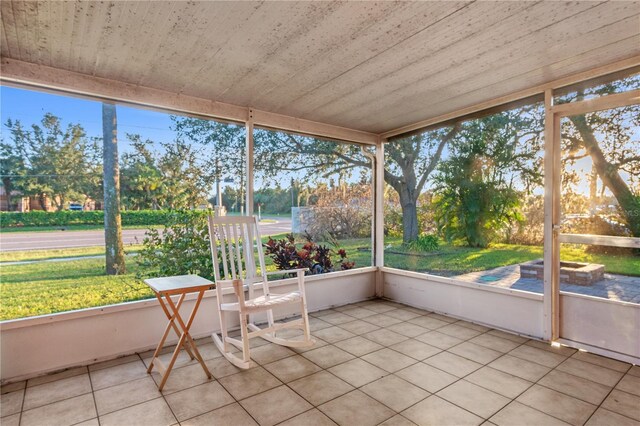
point(537, 383)
point(22, 410)
point(385, 346)
point(566, 394)
point(528, 387)
point(162, 395)
point(487, 365)
point(327, 370)
point(597, 383)
point(421, 361)
point(93, 395)
point(607, 396)
point(24, 398)
point(461, 378)
point(237, 401)
point(262, 366)
point(418, 361)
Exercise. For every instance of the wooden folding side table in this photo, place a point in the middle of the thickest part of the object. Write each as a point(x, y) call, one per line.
point(164, 288)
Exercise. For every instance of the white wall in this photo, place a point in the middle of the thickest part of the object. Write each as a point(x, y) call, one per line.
point(511, 310)
point(603, 326)
point(34, 346)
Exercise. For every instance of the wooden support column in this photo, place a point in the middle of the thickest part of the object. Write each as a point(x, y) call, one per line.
point(249, 166)
point(378, 234)
point(552, 177)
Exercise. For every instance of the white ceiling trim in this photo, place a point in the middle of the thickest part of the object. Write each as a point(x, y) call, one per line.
point(25, 74)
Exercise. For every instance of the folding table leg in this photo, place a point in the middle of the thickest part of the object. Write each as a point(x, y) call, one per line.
point(172, 323)
point(184, 336)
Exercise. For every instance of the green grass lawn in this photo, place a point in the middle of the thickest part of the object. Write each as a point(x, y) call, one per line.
point(49, 287)
point(44, 288)
point(452, 260)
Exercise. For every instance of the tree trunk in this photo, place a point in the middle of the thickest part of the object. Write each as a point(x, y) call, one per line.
point(609, 175)
point(112, 222)
point(410, 227)
point(408, 201)
point(407, 192)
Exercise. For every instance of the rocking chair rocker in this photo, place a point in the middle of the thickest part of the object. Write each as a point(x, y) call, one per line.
point(234, 244)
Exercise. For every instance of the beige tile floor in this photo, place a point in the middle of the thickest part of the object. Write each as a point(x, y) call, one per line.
point(375, 362)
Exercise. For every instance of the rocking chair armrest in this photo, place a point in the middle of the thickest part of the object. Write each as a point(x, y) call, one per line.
point(238, 286)
point(287, 271)
point(300, 276)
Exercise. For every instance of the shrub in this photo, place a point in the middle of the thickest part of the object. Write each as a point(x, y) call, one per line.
point(312, 256)
point(145, 217)
point(425, 242)
point(181, 248)
point(66, 217)
point(341, 212)
point(598, 226)
point(529, 231)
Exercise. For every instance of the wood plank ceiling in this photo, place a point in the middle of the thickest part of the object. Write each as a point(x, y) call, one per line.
point(362, 65)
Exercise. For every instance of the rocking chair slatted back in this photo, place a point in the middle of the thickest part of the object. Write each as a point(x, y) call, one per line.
point(235, 246)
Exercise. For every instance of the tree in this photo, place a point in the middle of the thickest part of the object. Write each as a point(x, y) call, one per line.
point(175, 175)
point(411, 161)
point(492, 162)
point(13, 166)
point(225, 145)
point(50, 161)
point(182, 248)
point(408, 165)
point(610, 140)
point(115, 263)
point(141, 178)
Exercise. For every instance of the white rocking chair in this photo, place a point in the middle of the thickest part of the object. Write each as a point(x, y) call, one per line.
point(234, 243)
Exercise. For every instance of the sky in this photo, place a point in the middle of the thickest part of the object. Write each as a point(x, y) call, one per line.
point(29, 107)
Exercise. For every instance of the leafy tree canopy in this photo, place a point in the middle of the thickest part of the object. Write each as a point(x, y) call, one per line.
point(63, 164)
point(492, 161)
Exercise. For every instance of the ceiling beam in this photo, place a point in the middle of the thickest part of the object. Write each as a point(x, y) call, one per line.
point(29, 75)
point(314, 128)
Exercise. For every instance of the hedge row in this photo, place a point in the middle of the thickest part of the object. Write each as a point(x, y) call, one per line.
point(66, 217)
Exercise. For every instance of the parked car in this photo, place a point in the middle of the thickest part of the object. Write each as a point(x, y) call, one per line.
point(76, 207)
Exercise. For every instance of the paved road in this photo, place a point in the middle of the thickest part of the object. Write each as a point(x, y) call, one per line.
point(67, 239)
